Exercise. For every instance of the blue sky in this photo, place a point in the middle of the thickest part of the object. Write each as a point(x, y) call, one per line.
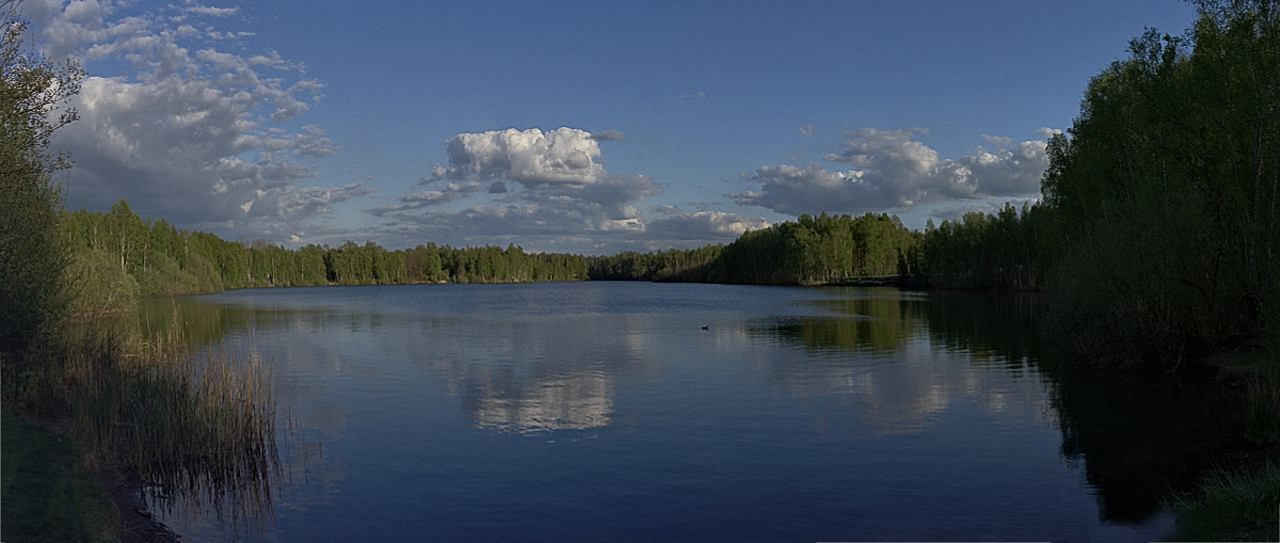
point(589, 127)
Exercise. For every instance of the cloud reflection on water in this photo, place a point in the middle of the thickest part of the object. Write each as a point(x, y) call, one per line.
point(774, 370)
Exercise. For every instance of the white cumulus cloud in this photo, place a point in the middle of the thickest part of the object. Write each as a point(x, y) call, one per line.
point(702, 226)
point(531, 157)
point(892, 170)
point(561, 199)
point(193, 133)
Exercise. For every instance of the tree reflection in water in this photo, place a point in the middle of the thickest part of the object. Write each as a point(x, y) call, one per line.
point(1140, 436)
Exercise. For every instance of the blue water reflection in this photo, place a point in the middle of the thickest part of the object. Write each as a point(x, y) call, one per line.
point(642, 412)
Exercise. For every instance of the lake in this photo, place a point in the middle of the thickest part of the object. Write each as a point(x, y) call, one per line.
point(626, 411)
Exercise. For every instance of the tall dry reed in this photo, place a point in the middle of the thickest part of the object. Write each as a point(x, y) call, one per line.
point(198, 429)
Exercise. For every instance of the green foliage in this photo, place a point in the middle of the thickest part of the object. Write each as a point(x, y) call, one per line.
point(1234, 508)
point(162, 259)
point(1166, 194)
point(165, 277)
point(97, 285)
point(31, 252)
point(431, 263)
point(31, 89)
point(672, 265)
point(422, 264)
point(1157, 238)
point(826, 249)
point(1002, 251)
point(822, 250)
point(31, 264)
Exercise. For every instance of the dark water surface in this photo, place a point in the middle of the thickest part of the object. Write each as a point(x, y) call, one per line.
point(674, 412)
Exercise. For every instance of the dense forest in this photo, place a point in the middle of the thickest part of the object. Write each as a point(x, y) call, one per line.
point(822, 250)
point(116, 255)
point(1157, 238)
point(1006, 250)
point(1163, 199)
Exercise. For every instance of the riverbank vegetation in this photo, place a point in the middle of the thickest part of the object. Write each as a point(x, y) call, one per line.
point(188, 428)
point(821, 250)
point(1162, 207)
point(1234, 508)
point(117, 253)
point(1165, 195)
point(47, 493)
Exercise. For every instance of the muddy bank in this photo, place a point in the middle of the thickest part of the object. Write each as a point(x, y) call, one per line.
point(136, 524)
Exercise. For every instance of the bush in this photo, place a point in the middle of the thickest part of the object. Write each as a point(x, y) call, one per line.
point(165, 277)
point(31, 262)
point(98, 286)
point(31, 252)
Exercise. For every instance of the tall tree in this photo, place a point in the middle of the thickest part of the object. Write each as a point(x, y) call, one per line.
point(1164, 193)
point(33, 91)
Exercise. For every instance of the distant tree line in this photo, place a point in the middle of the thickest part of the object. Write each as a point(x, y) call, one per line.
point(821, 250)
point(117, 255)
point(1005, 250)
point(672, 265)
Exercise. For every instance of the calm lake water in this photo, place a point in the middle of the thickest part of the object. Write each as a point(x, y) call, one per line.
point(618, 411)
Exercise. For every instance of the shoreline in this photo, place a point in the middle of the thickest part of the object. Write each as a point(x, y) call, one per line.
point(135, 524)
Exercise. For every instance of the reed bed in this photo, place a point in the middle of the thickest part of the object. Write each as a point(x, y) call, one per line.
point(198, 429)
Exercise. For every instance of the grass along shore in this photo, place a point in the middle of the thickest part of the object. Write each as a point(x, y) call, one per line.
point(46, 491)
point(160, 424)
point(1239, 498)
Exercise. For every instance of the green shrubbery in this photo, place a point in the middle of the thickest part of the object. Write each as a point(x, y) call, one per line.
point(98, 286)
point(1235, 508)
point(32, 254)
